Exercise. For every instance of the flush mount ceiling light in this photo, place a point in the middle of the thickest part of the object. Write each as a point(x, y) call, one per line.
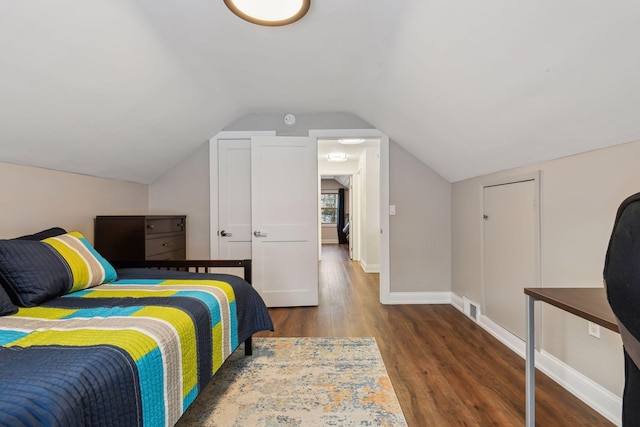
point(351, 141)
point(269, 12)
point(337, 157)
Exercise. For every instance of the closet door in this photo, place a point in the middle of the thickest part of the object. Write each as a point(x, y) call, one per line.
point(234, 199)
point(284, 214)
point(511, 248)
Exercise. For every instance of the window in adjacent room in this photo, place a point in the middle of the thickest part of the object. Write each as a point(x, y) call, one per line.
point(329, 208)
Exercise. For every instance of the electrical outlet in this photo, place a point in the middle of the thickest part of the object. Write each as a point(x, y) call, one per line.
point(594, 330)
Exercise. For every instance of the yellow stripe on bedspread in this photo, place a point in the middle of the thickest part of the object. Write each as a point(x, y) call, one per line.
point(156, 328)
point(181, 322)
point(134, 317)
point(222, 347)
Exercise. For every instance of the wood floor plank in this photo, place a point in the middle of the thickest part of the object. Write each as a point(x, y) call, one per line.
point(445, 369)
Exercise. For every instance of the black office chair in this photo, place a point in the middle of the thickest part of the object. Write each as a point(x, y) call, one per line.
point(622, 280)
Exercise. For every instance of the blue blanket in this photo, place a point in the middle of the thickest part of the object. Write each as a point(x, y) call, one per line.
point(133, 352)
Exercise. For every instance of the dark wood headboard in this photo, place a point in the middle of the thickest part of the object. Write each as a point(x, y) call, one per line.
point(196, 266)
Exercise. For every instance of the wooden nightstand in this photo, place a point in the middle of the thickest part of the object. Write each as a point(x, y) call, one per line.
point(141, 237)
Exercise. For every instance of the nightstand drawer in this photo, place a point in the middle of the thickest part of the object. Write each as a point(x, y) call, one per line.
point(173, 255)
point(164, 244)
point(165, 225)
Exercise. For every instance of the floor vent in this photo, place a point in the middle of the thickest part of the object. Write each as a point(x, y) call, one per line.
point(471, 309)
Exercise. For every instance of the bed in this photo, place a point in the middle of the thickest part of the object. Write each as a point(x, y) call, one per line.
point(134, 349)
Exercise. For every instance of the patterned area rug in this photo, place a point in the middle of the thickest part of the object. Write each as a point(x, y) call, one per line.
point(300, 382)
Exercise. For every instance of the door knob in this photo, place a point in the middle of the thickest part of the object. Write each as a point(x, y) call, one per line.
point(225, 234)
point(257, 233)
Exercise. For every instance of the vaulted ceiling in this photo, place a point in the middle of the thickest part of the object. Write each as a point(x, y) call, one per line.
point(126, 88)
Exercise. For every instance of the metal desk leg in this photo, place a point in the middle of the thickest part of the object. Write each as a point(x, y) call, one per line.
point(531, 364)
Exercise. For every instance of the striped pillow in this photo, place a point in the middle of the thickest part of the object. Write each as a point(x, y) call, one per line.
point(88, 267)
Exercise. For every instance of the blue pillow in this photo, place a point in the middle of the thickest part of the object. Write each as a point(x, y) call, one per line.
point(34, 272)
point(6, 306)
point(44, 234)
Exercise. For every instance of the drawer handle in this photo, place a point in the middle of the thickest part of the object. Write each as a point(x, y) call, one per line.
point(151, 226)
point(167, 244)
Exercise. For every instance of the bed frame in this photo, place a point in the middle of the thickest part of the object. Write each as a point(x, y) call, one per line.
point(195, 266)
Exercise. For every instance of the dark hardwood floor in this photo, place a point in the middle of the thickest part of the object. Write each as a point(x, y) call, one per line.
point(446, 370)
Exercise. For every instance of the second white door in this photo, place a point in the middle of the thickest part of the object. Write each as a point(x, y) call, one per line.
point(284, 207)
point(268, 195)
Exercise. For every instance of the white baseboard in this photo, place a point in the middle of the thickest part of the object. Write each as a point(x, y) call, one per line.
point(593, 394)
point(420, 298)
point(370, 268)
point(456, 301)
point(505, 337)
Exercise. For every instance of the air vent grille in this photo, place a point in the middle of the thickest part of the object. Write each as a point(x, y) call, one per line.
point(473, 312)
point(471, 309)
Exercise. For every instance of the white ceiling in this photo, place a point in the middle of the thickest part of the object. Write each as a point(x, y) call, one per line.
point(353, 152)
point(127, 88)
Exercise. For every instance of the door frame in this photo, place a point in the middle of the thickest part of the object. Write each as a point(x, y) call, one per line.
point(385, 282)
point(506, 337)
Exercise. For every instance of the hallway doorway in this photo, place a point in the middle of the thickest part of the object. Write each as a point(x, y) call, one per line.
point(353, 169)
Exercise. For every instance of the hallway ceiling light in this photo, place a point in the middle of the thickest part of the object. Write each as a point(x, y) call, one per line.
point(337, 157)
point(351, 141)
point(269, 12)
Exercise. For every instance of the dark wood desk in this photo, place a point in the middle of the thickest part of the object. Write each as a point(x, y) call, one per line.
point(589, 303)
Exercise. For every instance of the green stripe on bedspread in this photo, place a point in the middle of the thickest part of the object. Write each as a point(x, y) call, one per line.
point(161, 338)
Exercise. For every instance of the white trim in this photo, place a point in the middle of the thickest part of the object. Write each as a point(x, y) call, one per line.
point(242, 134)
point(591, 393)
point(214, 251)
point(385, 280)
point(420, 298)
point(510, 179)
point(505, 337)
point(457, 302)
point(370, 268)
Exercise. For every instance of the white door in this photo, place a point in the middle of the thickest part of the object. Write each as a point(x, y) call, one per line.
point(510, 252)
point(234, 199)
point(284, 205)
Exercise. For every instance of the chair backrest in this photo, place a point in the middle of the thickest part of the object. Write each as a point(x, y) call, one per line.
point(622, 274)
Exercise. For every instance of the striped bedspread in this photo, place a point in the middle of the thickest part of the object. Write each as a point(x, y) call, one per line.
point(132, 352)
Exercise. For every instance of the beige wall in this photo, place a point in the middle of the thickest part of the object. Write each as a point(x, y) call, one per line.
point(419, 238)
point(185, 190)
point(35, 199)
point(579, 198)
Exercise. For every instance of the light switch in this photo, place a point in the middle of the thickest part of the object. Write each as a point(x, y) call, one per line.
point(392, 209)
